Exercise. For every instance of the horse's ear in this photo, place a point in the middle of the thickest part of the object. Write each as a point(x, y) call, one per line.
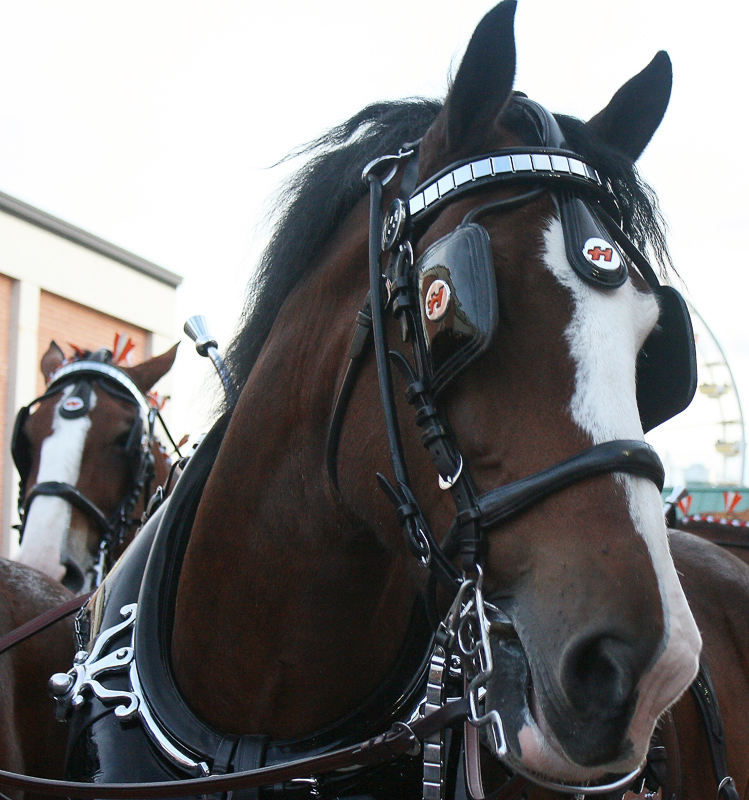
point(631, 118)
point(146, 374)
point(485, 77)
point(51, 360)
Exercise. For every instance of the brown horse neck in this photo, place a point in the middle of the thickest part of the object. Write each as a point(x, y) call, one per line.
point(312, 609)
point(325, 601)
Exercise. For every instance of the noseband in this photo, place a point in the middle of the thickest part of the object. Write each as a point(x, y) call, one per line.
point(83, 374)
point(588, 207)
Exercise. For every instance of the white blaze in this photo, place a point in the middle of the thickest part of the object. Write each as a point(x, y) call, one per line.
point(607, 330)
point(48, 520)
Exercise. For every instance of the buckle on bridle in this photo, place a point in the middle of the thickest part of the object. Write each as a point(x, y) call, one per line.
point(377, 166)
point(467, 626)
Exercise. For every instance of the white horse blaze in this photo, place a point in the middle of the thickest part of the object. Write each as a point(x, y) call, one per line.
point(48, 519)
point(607, 330)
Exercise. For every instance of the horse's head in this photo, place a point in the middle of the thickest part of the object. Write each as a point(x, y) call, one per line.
point(85, 453)
point(536, 333)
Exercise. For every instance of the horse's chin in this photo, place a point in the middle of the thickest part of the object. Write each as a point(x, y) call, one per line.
point(532, 747)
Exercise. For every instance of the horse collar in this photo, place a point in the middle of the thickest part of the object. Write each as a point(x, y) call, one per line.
point(131, 638)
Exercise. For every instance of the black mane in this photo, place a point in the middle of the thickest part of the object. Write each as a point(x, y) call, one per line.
point(310, 207)
point(316, 199)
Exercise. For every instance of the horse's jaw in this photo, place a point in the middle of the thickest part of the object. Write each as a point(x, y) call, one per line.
point(598, 749)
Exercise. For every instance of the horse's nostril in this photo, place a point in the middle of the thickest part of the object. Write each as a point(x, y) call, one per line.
point(597, 675)
point(73, 578)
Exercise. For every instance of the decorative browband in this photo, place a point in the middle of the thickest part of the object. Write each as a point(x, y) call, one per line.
point(505, 165)
point(109, 371)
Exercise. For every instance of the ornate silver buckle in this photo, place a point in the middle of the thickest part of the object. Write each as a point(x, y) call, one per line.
point(70, 689)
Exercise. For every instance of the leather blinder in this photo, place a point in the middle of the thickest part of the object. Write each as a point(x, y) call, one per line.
point(667, 363)
point(457, 292)
point(456, 288)
point(20, 447)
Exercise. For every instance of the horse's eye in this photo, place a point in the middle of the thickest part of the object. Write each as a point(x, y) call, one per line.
point(122, 439)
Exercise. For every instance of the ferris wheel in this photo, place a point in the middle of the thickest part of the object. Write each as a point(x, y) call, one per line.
point(707, 442)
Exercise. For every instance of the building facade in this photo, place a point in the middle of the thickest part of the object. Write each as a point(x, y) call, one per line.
point(58, 282)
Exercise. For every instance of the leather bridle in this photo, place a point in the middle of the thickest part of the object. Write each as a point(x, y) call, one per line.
point(475, 513)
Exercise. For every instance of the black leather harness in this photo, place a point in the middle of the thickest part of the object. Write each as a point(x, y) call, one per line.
point(462, 258)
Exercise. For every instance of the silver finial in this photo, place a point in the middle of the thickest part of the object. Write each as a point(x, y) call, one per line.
point(197, 329)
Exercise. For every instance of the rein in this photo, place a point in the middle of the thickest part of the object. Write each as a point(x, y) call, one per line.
point(42, 622)
point(400, 740)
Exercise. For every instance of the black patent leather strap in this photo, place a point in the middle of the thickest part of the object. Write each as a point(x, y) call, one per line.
point(378, 328)
point(73, 496)
point(418, 535)
point(703, 692)
point(631, 456)
point(362, 337)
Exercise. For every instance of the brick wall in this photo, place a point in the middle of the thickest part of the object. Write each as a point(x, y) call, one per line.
point(69, 323)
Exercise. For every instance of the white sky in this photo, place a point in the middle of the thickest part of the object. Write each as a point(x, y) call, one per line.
point(154, 125)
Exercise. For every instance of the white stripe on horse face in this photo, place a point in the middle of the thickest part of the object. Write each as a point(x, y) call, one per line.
point(48, 519)
point(607, 330)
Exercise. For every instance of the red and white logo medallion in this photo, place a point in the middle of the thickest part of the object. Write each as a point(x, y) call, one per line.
point(437, 300)
point(73, 404)
point(602, 254)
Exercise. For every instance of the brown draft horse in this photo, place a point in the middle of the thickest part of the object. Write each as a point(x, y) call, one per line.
point(88, 461)
point(735, 539)
point(292, 610)
point(31, 739)
point(314, 555)
point(717, 585)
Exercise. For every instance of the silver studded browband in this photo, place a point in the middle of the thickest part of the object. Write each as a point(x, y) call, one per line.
point(97, 368)
point(505, 166)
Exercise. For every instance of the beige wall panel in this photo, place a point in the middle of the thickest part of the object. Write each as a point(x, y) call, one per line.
point(64, 268)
